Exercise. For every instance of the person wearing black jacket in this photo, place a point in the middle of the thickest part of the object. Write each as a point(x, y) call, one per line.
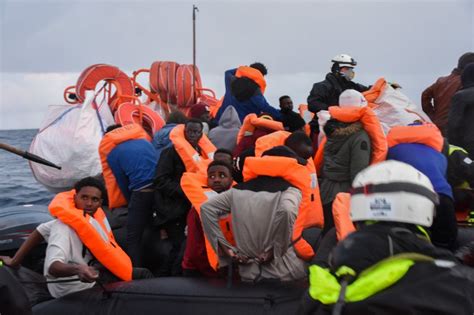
point(171, 203)
point(461, 113)
point(326, 93)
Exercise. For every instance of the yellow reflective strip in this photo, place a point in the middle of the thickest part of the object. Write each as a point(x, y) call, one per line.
point(344, 270)
point(380, 278)
point(323, 286)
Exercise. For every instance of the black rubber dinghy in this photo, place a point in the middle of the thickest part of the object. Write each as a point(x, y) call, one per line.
point(172, 295)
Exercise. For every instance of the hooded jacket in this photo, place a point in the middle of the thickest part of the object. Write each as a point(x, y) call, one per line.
point(346, 153)
point(461, 113)
point(224, 136)
point(246, 97)
point(161, 139)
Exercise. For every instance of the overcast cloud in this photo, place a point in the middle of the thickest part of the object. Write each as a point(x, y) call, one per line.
point(46, 44)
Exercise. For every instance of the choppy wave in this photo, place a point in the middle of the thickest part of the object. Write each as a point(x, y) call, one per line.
point(17, 184)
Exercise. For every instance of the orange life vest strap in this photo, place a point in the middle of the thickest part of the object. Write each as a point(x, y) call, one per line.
point(251, 122)
point(341, 211)
point(98, 239)
point(304, 178)
point(107, 144)
point(252, 74)
point(427, 134)
point(193, 161)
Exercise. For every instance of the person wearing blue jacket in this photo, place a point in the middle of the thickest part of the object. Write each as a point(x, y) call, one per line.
point(434, 165)
point(133, 163)
point(161, 139)
point(245, 95)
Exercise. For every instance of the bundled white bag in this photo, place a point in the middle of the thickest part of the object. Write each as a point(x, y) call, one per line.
point(396, 109)
point(70, 137)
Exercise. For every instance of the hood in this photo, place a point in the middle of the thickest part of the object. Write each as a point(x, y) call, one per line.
point(244, 88)
point(162, 136)
point(467, 76)
point(338, 129)
point(230, 118)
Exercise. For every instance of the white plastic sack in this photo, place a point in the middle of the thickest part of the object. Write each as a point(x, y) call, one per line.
point(70, 137)
point(396, 109)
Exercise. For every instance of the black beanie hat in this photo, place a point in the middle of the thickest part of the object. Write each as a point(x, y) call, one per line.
point(464, 60)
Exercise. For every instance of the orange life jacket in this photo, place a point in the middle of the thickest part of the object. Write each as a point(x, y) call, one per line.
point(254, 75)
point(193, 161)
point(304, 178)
point(371, 125)
point(374, 92)
point(95, 233)
point(427, 134)
point(251, 122)
point(196, 190)
point(341, 211)
point(270, 141)
point(107, 144)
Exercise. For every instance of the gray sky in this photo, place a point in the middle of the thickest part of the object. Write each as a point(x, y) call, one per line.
point(46, 44)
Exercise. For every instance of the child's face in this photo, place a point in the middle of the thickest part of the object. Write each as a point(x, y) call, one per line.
point(88, 199)
point(219, 178)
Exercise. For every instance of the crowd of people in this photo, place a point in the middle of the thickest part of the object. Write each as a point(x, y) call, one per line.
point(264, 193)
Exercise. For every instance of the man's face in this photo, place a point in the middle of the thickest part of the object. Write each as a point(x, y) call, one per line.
point(88, 199)
point(347, 73)
point(286, 104)
point(193, 132)
point(224, 157)
point(219, 178)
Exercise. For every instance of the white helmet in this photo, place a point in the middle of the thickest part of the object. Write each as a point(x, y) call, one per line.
point(344, 60)
point(393, 191)
point(352, 98)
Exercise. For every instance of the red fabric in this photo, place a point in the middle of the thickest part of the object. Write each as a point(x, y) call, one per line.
point(195, 256)
point(249, 141)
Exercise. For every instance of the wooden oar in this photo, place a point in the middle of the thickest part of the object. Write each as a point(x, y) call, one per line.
point(27, 155)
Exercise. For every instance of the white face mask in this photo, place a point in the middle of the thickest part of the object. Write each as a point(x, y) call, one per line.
point(348, 74)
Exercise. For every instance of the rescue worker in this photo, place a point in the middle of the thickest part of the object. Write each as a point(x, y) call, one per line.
point(326, 93)
point(389, 266)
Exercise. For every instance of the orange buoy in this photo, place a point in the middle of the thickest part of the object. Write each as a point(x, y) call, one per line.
point(102, 72)
point(128, 113)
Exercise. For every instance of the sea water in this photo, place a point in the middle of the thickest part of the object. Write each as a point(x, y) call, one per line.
point(17, 183)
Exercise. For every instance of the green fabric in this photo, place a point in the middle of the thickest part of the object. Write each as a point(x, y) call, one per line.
point(344, 270)
point(325, 287)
